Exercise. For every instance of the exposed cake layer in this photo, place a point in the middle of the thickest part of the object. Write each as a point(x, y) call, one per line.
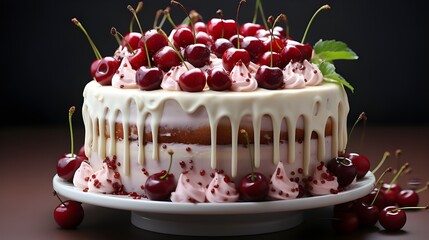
point(150, 111)
point(195, 160)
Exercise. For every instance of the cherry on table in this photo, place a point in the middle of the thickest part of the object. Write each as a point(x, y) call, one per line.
point(345, 222)
point(367, 213)
point(392, 218)
point(68, 214)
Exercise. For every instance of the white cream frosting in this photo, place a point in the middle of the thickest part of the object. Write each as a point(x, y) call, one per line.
point(105, 180)
point(122, 52)
point(188, 190)
point(125, 76)
point(315, 105)
point(322, 182)
point(221, 189)
point(170, 81)
point(82, 175)
point(281, 187)
point(242, 80)
point(299, 75)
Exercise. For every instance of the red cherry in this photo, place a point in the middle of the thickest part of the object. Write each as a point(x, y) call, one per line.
point(278, 44)
point(138, 58)
point(220, 46)
point(204, 38)
point(255, 189)
point(249, 29)
point(392, 218)
point(166, 58)
point(253, 46)
point(159, 186)
point(345, 222)
point(265, 59)
point(67, 166)
point(269, 77)
point(234, 40)
point(367, 214)
point(133, 39)
point(361, 163)
point(200, 27)
point(193, 80)
point(407, 198)
point(183, 37)
point(149, 78)
point(68, 214)
point(106, 69)
point(197, 54)
point(306, 51)
point(154, 41)
point(221, 28)
point(232, 55)
point(218, 79)
point(343, 169)
point(290, 54)
point(70, 162)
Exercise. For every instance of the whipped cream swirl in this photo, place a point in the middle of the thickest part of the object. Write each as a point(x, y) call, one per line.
point(299, 75)
point(281, 187)
point(171, 78)
point(188, 190)
point(221, 189)
point(125, 76)
point(242, 80)
point(82, 175)
point(322, 182)
point(105, 180)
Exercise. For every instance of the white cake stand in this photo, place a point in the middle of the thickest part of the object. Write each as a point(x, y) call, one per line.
point(215, 219)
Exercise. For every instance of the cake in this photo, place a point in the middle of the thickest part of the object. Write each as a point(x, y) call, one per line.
point(208, 134)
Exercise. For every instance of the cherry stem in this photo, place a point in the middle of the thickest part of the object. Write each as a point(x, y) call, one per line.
point(236, 22)
point(170, 152)
point(273, 24)
point(385, 156)
point(219, 12)
point(410, 208)
point(56, 195)
point(389, 169)
point(252, 170)
point(119, 36)
point(167, 14)
point(286, 21)
point(157, 16)
point(397, 175)
point(375, 197)
point(255, 13)
point(261, 11)
point(167, 9)
point(361, 116)
point(172, 46)
point(94, 48)
point(141, 31)
point(176, 3)
point(138, 8)
point(324, 7)
point(71, 111)
point(423, 188)
point(398, 154)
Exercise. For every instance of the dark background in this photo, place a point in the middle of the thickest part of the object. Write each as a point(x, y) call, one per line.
point(46, 57)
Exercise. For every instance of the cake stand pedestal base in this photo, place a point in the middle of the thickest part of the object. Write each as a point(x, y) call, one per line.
point(216, 225)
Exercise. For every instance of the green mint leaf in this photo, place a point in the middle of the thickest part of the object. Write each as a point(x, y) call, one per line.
point(331, 50)
point(329, 75)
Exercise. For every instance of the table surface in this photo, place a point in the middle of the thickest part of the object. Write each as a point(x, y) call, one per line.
point(29, 155)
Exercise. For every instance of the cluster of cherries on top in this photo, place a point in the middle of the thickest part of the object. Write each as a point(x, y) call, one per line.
point(153, 53)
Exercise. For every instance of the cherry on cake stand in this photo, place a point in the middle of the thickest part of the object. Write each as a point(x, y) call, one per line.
point(215, 219)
